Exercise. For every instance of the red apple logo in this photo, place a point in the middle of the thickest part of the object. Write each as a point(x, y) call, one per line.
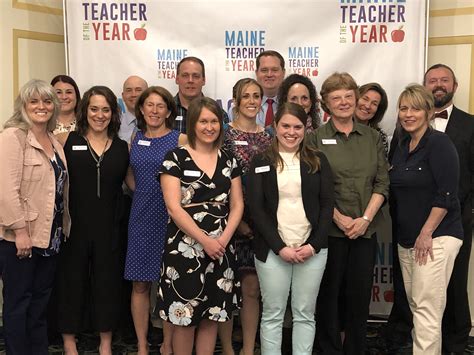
point(388, 296)
point(398, 35)
point(315, 72)
point(140, 33)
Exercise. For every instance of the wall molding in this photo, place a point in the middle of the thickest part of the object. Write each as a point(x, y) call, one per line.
point(17, 4)
point(454, 41)
point(23, 34)
point(461, 11)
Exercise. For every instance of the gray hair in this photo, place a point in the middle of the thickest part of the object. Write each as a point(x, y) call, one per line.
point(20, 118)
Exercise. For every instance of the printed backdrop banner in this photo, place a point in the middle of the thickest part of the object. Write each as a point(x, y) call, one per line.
point(374, 40)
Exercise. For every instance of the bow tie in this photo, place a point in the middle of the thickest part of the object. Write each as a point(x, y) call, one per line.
point(442, 114)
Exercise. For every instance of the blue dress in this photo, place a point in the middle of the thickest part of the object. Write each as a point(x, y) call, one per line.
point(148, 217)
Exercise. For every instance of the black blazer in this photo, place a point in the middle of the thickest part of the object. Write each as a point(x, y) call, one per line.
point(317, 191)
point(460, 129)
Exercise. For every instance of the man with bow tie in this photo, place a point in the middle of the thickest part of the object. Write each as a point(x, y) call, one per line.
point(459, 126)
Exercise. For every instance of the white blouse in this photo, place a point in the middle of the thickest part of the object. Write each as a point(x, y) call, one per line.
point(293, 226)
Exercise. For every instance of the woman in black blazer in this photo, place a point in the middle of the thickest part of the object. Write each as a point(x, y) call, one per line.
point(291, 199)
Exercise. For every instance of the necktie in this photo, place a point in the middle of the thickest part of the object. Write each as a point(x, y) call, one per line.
point(269, 115)
point(442, 114)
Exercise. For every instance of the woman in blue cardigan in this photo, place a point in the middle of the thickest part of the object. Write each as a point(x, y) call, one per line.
point(291, 199)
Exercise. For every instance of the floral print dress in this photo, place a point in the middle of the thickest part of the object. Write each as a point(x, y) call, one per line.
point(192, 285)
point(245, 146)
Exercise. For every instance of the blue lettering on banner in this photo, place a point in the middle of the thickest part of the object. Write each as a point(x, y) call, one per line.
point(167, 60)
point(242, 47)
point(304, 60)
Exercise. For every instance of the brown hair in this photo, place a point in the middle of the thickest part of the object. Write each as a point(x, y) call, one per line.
point(383, 104)
point(68, 80)
point(337, 81)
point(192, 117)
point(271, 53)
point(287, 84)
point(238, 90)
point(82, 124)
point(192, 59)
point(167, 98)
point(306, 152)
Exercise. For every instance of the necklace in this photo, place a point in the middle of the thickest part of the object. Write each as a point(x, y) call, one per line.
point(98, 160)
point(239, 127)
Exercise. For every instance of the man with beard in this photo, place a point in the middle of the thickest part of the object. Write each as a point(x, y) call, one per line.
point(459, 126)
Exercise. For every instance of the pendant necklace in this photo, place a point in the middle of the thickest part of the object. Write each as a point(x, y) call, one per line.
point(98, 160)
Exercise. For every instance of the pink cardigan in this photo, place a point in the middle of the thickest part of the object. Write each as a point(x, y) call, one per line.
point(27, 187)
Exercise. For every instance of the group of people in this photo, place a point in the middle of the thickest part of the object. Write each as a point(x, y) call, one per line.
point(230, 211)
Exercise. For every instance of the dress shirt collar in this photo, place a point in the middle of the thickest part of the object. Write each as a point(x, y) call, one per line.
point(128, 118)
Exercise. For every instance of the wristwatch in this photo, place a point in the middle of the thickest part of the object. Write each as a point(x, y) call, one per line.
point(365, 218)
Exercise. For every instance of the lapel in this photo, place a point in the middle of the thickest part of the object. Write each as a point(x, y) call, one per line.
point(58, 148)
point(306, 187)
point(453, 128)
point(272, 186)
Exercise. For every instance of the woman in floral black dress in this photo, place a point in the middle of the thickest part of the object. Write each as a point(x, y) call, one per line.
point(202, 191)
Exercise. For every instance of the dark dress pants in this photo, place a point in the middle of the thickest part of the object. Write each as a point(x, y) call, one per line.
point(457, 317)
point(27, 285)
point(349, 272)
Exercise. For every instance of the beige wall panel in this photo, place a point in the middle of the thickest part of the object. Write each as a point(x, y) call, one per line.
point(39, 60)
point(451, 25)
point(46, 6)
point(458, 57)
point(450, 4)
point(34, 15)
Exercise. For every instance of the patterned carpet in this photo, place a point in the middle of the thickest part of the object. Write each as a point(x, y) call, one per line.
point(126, 344)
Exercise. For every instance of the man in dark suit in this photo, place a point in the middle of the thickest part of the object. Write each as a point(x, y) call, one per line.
point(459, 126)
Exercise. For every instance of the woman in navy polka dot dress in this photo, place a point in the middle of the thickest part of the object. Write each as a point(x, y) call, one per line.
point(155, 112)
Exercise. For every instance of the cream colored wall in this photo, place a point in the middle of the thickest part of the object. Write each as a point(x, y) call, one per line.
point(32, 40)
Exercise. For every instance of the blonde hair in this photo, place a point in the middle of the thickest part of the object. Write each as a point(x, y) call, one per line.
point(418, 97)
point(20, 118)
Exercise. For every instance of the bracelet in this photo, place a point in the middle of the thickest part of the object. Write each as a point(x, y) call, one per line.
point(312, 249)
point(365, 218)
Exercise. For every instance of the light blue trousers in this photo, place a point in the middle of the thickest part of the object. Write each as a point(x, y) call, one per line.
point(277, 278)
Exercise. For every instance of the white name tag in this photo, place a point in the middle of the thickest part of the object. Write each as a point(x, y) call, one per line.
point(241, 143)
point(192, 173)
point(179, 118)
point(262, 169)
point(329, 141)
point(145, 143)
point(79, 147)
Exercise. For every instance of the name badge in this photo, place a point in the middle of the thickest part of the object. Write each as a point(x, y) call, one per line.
point(192, 173)
point(329, 141)
point(241, 143)
point(262, 169)
point(179, 118)
point(145, 143)
point(79, 147)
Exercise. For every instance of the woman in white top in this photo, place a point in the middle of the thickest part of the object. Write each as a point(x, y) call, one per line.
point(291, 198)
